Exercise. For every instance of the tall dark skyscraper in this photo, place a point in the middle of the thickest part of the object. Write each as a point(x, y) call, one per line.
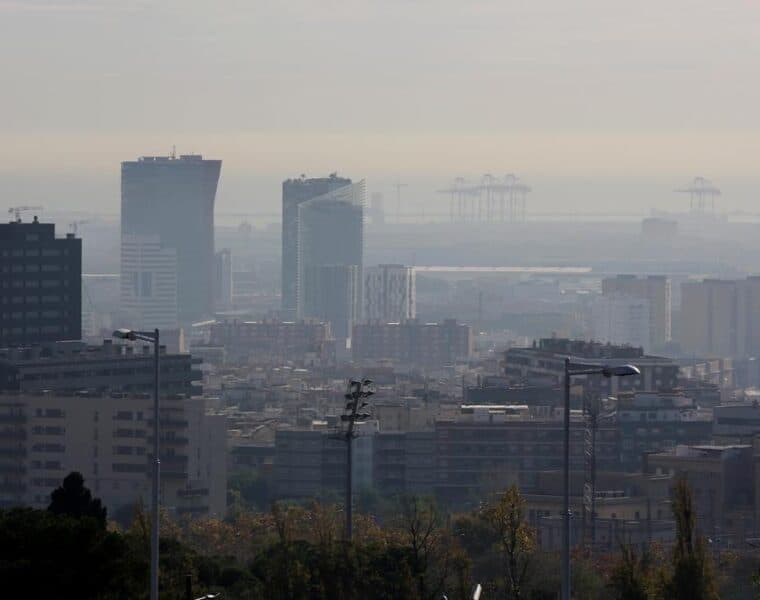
point(40, 284)
point(173, 198)
point(294, 193)
point(330, 255)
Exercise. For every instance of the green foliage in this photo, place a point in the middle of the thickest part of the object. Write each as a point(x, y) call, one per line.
point(247, 490)
point(75, 500)
point(297, 552)
point(692, 576)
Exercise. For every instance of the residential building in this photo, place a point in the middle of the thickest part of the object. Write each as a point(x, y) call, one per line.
point(108, 438)
point(148, 283)
point(621, 320)
point(294, 193)
point(656, 422)
point(311, 463)
point(173, 198)
point(722, 480)
point(389, 293)
point(544, 363)
point(74, 366)
point(656, 290)
point(719, 317)
point(274, 342)
point(413, 342)
point(736, 423)
point(40, 284)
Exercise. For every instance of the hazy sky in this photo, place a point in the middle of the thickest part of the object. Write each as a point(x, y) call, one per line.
point(592, 98)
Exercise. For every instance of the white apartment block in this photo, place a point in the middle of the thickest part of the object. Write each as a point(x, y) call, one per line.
point(389, 293)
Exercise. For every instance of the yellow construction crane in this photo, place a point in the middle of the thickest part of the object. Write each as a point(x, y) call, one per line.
point(17, 210)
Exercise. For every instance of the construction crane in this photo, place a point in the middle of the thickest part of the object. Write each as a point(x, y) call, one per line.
point(17, 210)
point(491, 200)
point(701, 191)
point(74, 227)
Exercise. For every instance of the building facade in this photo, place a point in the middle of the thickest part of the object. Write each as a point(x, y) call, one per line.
point(273, 342)
point(390, 293)
point(719, 317)
point(108, 438)
point(656, 290)
point(173, 198)
point(74, 366)
point(148, 283)
point(40, 284)
point(412, 342)
point(544, 364)
point(621, 320)
point(331, 245)
point(294, 193)
point(331, 294)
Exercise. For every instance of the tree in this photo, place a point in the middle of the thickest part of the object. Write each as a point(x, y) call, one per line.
point(628, 580)
point(516, 539)
point(75, 500)
point(692, 576)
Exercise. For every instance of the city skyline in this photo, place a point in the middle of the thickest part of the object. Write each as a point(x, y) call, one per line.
point(654, 94)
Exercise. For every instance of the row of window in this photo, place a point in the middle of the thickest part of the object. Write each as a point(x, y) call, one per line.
point(34, 299)
point(34, 268)
point(35, 251)
point(34, 314)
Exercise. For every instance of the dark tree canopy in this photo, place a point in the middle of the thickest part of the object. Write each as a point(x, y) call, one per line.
point(75, 500)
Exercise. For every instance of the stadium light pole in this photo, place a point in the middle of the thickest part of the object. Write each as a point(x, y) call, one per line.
point(356, 394)
point(571, 370)
point(152, 337)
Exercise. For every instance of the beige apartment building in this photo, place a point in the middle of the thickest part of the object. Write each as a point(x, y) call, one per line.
point(109, 439)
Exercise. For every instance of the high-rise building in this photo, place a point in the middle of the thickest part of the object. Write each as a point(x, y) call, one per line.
point(40, 284)
point(294, 193)
point(331, 234)
point(223, 280)
point(148, 283)
point(173, 198)
point(389, 293)
point(331, 294)
point(622, 320)
point(656, 290)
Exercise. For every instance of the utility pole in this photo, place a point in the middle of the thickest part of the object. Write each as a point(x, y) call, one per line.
point(356, 395)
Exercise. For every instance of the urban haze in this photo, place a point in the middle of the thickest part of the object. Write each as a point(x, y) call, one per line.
point(386, 300)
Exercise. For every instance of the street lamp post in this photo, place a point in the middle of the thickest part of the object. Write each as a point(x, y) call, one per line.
point(152, 337)
point(571, 370)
